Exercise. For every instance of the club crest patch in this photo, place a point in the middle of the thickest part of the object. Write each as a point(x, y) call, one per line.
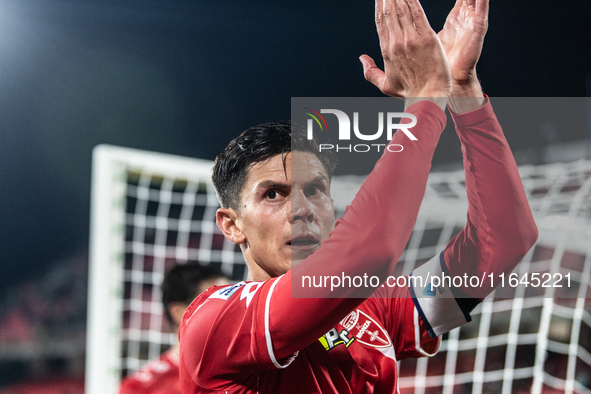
point(366, 330)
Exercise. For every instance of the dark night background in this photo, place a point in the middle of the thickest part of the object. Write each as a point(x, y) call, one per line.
point(185, 77)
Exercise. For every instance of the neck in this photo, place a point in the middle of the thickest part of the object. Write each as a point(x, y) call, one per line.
point(257, 274)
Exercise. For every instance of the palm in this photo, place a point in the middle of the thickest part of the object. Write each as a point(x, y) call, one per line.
point(462, 36)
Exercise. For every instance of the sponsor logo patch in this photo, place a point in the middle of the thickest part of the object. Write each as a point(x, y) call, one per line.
point(333, 338)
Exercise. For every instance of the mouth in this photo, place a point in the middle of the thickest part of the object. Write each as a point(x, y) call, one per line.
point(305, 243)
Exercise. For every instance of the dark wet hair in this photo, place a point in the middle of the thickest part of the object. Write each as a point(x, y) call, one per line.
point(257, 144)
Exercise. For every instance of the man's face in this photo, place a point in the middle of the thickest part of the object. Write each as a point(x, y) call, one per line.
point(285, 213)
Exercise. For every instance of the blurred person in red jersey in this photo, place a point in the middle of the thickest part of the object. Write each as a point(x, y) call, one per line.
point(181, 285)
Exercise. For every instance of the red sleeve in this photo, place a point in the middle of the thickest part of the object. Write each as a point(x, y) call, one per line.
point(369, 239)
point(500, 228)
point(274, 326)
point(403, 323)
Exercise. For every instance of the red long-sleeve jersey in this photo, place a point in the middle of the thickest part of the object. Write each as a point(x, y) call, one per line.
point(255, 338)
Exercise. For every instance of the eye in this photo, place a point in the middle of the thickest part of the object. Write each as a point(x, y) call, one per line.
point(272, 194)
point(312, 190)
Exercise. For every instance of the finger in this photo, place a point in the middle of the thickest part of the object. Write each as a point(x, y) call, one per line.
point(482, 8)
point(458, 4)
point(470, 2)
point(404, 17)
point(372, 73)
point(418, 16)
point(383, 33)
point(388, 11)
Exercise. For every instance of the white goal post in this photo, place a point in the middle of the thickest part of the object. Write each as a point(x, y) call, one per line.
point(126, 268)
point(152, 210)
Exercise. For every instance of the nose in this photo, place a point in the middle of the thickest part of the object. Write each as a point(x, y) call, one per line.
point(301, 207)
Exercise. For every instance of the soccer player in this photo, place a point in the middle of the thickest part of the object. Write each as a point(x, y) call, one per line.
point(182, 283)
point(274, 188)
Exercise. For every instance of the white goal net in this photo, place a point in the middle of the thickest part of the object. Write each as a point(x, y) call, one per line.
point(150, 211)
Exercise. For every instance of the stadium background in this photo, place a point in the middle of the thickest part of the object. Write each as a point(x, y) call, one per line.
point(184, 77)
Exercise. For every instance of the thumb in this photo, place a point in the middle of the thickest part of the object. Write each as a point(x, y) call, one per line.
point(372, 73)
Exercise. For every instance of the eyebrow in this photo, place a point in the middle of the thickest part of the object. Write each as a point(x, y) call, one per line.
point(319, 179)
point(272, 185)
point(282, 185)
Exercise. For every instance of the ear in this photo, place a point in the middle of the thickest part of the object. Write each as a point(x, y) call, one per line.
point(176, 310)
point(229, 222)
